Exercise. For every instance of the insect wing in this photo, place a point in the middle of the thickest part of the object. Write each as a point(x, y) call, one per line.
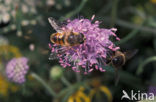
point(131, 53)
point(54, 24)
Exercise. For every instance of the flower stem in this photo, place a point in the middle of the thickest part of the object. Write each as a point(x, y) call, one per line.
point(74, 12)
point(65, 81)
point(128, 25)
point(148, 60)
point(66, 90)
point(128, 37)
point(78, 77)
point(46, 86)
point(114, 12)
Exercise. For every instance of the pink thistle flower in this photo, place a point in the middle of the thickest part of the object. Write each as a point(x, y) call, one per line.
point(16, 69)
point(93, 52)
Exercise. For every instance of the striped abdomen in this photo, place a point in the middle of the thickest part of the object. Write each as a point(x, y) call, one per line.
point(67, 38)
point(57, 38)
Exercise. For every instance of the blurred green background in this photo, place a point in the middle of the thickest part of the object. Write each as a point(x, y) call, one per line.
point(25, 31)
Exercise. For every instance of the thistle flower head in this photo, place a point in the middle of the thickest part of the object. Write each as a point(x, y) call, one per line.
point(16, 69)
point(93, 52)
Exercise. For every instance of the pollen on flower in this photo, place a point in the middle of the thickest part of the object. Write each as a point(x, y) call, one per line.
point(92, 53)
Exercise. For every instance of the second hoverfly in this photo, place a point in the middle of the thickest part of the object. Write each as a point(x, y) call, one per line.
point(118, 59)
point(65, 37)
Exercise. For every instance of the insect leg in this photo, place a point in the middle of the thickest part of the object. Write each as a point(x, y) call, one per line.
point(117, 77)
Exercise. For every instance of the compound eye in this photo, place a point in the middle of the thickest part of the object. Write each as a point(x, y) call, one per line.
point(118, 61)
point(115, 60)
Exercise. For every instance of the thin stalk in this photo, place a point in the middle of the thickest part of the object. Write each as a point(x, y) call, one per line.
point(127, 78)
point(66, 90)
point(114, 12)
point(76, 11)
point(78, 77)
point(45, 85)
point(129, 25)
point(128, 37)
point(131, 34)
point(65, 81)
point(148, 60)
point(125, 24)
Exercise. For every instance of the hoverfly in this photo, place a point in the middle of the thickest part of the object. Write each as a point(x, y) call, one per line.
point(118, 59)
point(64, 37)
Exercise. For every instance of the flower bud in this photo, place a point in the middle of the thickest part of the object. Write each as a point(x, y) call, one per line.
point(56, 72)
